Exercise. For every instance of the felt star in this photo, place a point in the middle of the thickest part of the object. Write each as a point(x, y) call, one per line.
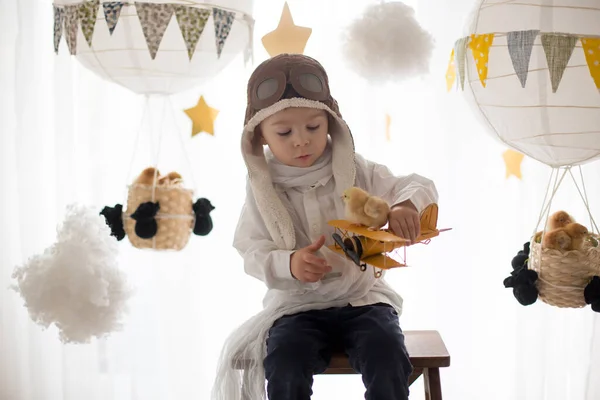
point(512, 160)
point(288, 37)
point(203, 117)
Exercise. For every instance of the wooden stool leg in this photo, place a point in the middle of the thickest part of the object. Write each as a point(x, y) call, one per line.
point(433, 388)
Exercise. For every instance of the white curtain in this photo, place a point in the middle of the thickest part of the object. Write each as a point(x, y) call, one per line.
point(67, 136)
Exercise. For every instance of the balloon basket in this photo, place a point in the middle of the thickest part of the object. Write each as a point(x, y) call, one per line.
point(174, 219)
point(563, 276)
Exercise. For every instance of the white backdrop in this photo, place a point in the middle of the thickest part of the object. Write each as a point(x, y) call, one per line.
point(68, 136)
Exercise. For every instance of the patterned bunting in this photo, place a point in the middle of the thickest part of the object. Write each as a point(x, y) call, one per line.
point(191, 22)
point(460, 48)
point(480, 47)
point(154, 19)
point(520, 44)
point(591, 47)
point(112, 11)
point(559, 49)
point(71, 27)
point(59, 20)
point(223, 21)
point(451, 72)
point(88, 11)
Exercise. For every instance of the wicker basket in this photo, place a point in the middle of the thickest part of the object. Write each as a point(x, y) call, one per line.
point(175, 219)
point(563, 276)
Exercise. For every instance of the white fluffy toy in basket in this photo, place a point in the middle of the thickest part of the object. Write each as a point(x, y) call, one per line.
point(160, 213)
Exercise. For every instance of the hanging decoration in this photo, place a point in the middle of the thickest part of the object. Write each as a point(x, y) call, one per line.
point(536, 88)
point(287, 37)
point(387, 43)
point(203, 117)
point(187, 42)
point(512, 161)
point(388, 125)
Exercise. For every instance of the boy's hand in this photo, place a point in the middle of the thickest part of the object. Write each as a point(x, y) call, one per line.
point(404, 221)
point(306, 266)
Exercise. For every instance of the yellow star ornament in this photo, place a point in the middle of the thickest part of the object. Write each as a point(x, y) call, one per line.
point(288, 37)
point(203, 117)
point(512, 160)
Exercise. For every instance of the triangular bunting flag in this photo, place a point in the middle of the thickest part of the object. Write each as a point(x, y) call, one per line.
point(154, 19)
point(559, 49)
point(71, 27)
point(460, 52)
point(112, 11)
point(480, 47)
point(191, 22)
point(591, 47)
point(451, 72)
point(59, 20)
point(223, 20)
point(520, 44)
point(88, 11)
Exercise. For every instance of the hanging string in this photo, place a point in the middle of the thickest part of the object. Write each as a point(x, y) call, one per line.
point(135, 145)
point(157, 152)
point(548, 186)
point(585, 201)
point(185, 153)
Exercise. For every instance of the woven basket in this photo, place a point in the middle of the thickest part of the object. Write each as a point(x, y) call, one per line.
point(175, 219)
point(563, 276)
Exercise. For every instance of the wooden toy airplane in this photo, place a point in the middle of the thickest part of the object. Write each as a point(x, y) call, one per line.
point(368, 247)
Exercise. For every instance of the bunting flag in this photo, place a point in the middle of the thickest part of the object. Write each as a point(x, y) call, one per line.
point(520, 45)
point(223, 21)
point(191, 22)
point(59, 20)
point(71, 26)
point(154, 18)
point(87, 12)
point(112, 11)
point(558, 49)
point(591, 47)
point(451, 72)
point(460, 48)
point(480, 47)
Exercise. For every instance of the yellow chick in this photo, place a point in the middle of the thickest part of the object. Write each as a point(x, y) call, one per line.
point(577, 233)
point(170, 179)
point(364, 209)
point(557, 220)
point(557, 239)
point(147, 176)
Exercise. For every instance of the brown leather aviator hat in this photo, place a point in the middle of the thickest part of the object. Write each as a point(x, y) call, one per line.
point(290, 80)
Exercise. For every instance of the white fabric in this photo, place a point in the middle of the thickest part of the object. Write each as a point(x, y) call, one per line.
point(312, 199)
point(123, 57)
point(59, 124)
point(554, 128)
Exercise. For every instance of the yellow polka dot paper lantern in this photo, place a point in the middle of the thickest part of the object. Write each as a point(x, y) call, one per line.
point(531, 71)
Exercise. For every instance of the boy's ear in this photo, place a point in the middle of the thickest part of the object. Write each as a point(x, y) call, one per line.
point(259, 136)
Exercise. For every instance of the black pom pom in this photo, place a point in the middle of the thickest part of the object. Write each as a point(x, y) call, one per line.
point(202, 208)
point(519, 261)
point(523, 283)
point(114, 219)
point(591, 293)
point(526, 295)
point(144, 215)
point(526, 248)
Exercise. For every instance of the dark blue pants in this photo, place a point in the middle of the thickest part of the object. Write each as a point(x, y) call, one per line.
point(301, 345)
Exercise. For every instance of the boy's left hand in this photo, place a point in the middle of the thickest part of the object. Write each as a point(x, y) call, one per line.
point(404, 221)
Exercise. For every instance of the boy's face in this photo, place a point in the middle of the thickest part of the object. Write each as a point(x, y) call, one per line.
point(296, 136)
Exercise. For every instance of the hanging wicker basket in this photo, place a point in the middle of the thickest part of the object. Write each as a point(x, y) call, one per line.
point(174, 219)
point(563, 276)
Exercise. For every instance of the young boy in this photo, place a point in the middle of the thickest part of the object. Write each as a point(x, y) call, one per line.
point(300, 158)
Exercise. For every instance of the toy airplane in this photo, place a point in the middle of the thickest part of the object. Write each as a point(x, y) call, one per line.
point(367, 247)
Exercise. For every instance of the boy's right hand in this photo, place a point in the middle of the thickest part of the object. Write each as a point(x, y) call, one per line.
point(306, 266)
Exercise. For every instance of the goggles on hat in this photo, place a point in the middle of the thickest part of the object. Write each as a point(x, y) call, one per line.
point(307, 80)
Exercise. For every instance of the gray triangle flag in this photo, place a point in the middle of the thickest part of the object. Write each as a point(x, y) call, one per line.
point(71, 27)
point(191, 22)
point(112, 11)
point(520, 44)
point(223, 20)
point(558, 48)
point(154, 18)
point(59, 21)
point(88, 11)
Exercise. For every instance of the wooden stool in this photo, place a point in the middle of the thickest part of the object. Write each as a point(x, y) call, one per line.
point(427, 354)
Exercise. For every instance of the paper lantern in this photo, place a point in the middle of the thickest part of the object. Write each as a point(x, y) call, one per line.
point(155, 46)
point(532, 74)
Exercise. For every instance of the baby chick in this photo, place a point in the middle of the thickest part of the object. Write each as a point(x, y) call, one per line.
point(170, 179)
point(557, 239)
point(578, 233)
point(364, 209)
point(559, 219)
point(146, 177)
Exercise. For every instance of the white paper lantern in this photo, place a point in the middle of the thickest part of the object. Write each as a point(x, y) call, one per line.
point(169, 63)
point(533, 103)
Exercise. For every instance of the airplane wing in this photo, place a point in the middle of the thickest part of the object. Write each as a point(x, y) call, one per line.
point(380, 235)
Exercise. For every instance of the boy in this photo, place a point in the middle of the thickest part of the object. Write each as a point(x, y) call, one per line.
point(300, 158)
